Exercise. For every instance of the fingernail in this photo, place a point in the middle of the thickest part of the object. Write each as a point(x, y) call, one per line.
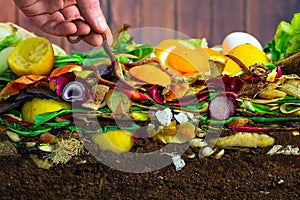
point(102, 23)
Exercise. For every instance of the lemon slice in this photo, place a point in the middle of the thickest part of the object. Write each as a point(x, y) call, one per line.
point(183, 57)
point(114, 140)
point(32, 56)
point(215, 55)
point(248, 54)
point(38, 106)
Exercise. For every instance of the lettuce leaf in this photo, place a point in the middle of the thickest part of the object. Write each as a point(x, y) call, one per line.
point(123, 44)
point(286, 40)
point(9, 41)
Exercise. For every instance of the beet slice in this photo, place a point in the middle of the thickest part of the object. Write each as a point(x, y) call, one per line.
point(221, 107)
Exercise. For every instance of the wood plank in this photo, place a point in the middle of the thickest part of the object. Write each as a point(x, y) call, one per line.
point(8, 11)
point(193, 18)
point(212, 19)
point(125, 12)
point(128, 12)
point(160, 15)
point(227, 16)
point(264, 17)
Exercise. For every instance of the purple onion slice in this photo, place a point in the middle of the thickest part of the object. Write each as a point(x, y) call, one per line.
point(221, 107)
point(74, 91)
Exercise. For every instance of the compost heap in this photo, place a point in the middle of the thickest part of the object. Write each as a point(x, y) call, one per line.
point(179, 92)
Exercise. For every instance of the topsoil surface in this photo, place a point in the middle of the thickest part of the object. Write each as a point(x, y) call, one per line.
point(236, 175)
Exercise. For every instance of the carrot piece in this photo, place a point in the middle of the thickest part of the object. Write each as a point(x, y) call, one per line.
point(177, 90)
point(150, 74)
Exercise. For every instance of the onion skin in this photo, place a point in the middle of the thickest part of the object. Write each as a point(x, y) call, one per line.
point(10, 119)
point(226, 83)
point(154, 93)
point(222, 107)
point(69, 91)
point(184, 101)
point(62, 81)
point(68, 82)
point(279, 73)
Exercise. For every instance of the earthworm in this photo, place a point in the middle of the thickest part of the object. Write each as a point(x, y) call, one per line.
point(240, 63)
point(114, 63)
point(184, 101)
point(102, 80)
point(142, 62)
point(254, 70)
point(147, 61)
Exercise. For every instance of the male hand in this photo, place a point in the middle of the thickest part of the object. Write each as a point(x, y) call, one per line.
point(60, 18)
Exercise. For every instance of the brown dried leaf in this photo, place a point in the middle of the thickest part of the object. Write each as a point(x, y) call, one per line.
point(17, 85)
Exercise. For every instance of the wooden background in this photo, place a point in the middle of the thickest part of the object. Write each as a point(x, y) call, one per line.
point(212, 19)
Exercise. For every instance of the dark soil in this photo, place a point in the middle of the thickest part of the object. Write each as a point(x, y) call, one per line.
point(236, 175)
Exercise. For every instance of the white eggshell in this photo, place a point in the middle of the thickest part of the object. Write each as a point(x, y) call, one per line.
point(236, 38)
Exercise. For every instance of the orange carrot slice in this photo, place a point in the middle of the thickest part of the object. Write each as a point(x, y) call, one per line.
point(176, 91)
point(64, 69)
point(150, 74)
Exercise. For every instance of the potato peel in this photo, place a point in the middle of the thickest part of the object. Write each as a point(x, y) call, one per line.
point(244, 139)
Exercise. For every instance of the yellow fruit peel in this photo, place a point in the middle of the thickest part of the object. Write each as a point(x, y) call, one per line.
point(176, 133)
point(117, 141)
point(247, 54)
point(32, 56)
point(39, 106)
point(182, 57)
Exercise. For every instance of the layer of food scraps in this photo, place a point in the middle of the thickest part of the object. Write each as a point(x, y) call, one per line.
point(181, 91)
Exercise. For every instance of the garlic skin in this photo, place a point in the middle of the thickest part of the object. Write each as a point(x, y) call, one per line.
point(236, 38)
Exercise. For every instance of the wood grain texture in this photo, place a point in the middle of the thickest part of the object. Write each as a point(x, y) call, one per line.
point(193, 18)
point(227, 16)
point(129, 12)
point(8, 11)
point(160, 15)
point(212, 19)
point(263, 18)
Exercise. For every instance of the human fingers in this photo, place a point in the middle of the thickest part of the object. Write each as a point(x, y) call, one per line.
point(93, 15)
point(54, 24)
point(33, 7)
point(72, 14)
point(95, 39)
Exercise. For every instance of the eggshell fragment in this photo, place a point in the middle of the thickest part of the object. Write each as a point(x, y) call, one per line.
point(236, 38)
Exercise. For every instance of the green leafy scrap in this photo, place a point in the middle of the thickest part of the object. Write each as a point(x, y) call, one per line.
point(9, 41)
point(286, 40)
point(123, 44)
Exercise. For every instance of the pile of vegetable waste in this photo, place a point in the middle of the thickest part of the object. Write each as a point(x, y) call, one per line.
point(180, 91)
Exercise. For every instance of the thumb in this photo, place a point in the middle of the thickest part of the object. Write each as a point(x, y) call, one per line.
point(93, 15)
